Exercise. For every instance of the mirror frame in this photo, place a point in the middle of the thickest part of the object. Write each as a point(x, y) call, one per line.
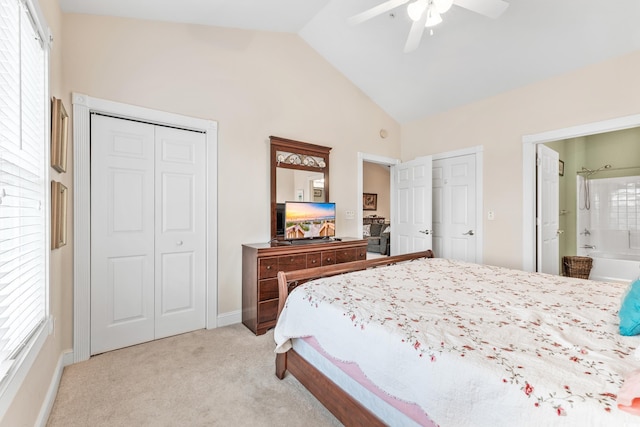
point(303, 149)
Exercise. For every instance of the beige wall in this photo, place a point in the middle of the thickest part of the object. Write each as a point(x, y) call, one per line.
point(255, 84)
point(599, 92)
point(376, 179)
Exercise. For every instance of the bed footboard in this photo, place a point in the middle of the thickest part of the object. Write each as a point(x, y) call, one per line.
point(344, 407)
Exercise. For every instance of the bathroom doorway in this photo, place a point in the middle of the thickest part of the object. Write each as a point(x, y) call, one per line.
point(585, 162)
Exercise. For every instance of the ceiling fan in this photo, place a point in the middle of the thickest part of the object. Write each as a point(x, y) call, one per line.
point(426, 14)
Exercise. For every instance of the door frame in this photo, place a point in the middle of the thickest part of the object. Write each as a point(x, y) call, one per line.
point(478, 151)
point(371, 158)
point(83, 106)
point(529, 142)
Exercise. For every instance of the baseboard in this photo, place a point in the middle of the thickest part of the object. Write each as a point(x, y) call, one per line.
point(229, 318)
point(65, 359)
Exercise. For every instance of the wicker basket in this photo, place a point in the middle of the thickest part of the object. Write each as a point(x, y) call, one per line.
point(576, 266)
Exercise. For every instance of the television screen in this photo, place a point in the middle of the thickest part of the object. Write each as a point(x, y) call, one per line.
point(308, 220)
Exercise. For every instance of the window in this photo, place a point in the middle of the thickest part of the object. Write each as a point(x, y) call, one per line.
point(616, 203)
point(24, 208)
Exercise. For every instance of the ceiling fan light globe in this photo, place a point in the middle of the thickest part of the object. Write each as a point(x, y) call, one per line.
point(433, 18)
point(416, 9)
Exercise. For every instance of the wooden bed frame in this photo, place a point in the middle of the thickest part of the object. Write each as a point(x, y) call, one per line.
point(345, 408)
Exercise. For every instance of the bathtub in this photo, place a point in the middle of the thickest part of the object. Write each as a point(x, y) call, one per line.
point(610, 267)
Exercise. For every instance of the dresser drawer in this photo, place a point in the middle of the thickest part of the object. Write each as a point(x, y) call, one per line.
point(328, 257)
point(267, 311)
point(292, 262)
point(267, 289)
point(346, 255)
point(267, 267)
point(314, 259)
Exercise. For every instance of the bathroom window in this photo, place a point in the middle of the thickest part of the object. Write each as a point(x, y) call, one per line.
point(616, 203)
point(624, 202)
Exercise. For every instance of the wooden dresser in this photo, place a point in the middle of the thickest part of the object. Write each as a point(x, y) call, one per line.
point(262, 261)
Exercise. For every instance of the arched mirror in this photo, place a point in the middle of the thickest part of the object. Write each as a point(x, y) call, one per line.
point(299, 172)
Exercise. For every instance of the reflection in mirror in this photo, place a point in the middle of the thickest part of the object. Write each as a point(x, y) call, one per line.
point(299, 172)
point(299, 185)
point(318, 190)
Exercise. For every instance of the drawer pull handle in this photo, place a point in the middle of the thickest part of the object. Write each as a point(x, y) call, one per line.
point(313, 262)
point(268, 267)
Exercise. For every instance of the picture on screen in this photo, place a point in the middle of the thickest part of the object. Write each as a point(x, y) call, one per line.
point(308, 220)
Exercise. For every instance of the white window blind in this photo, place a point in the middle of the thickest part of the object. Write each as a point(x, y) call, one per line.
point(23, 181)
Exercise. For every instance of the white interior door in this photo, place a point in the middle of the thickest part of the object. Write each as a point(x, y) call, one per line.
point(148, 232)
point(122, 233)
point(454, 208)
point(548, 210)
point(411, 206)
point(179, 231)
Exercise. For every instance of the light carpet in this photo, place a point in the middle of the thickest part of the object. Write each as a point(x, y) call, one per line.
point(220, 377)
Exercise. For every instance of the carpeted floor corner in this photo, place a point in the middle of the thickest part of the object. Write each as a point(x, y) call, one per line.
point(219, 377)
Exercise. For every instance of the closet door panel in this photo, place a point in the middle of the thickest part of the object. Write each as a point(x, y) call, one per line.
point(122, 233)
point(177, 284)
point(125, 289)
point(180, 231)
point(178, 216)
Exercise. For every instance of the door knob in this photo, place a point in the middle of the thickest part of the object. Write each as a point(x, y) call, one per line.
point(179, 243)
point(559, 232)
point(468, 233)
point(425, 231)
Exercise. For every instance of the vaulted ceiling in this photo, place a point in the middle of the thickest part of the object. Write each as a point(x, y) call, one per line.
point(468, 57)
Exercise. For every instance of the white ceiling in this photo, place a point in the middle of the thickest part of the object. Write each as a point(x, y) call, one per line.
point(469, 56)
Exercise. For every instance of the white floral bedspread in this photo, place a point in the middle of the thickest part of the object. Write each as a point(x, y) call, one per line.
point(474, 345)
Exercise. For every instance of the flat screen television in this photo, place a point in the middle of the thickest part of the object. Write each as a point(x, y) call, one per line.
point(309, 220)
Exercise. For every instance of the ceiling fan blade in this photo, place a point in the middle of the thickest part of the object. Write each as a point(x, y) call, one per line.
point(489, 8)
point(375, 11)
point(415, 34)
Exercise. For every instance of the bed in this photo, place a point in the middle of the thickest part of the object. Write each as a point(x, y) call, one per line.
point(416, 340)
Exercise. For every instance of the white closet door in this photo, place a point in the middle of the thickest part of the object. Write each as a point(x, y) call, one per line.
point(122, 233)
point(454, 208)
point(411, 210)
point(180, 231)
point(148, 232)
